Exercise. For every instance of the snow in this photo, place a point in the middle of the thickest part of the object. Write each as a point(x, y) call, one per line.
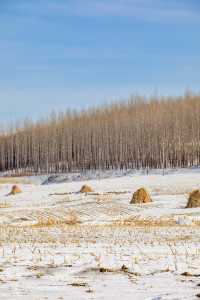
point(44, 256)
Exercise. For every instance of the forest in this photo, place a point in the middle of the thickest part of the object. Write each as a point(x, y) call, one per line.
point(158, 132)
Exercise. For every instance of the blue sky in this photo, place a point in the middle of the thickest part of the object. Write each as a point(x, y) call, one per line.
point(59, 54)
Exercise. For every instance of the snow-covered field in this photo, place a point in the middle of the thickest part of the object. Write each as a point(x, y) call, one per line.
point(56, 243)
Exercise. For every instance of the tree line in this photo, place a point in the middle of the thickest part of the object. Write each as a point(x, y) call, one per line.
point(137, 133)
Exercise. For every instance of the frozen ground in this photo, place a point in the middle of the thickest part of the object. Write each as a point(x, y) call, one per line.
point(56, 243)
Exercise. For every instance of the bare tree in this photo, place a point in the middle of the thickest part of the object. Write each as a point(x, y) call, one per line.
point(139, 133)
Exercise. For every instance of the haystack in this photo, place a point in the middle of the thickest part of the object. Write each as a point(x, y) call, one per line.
point(15, 190)
point(86, 189)
point(141, 196)
point(194, 199)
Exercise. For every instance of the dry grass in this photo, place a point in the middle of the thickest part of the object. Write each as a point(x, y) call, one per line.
point(5, 205)
point(70, 219)
point(120, 233)
point(104, 197)
point(14, 180)
point(78, 284)
point(136, 222)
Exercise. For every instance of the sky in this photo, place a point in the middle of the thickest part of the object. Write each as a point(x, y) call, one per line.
point(61, 54)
